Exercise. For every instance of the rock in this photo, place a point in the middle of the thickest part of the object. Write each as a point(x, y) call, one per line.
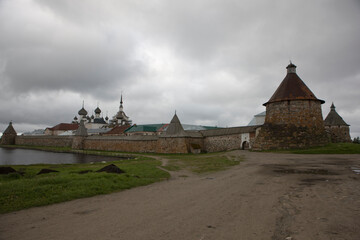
point(85, 171)
point(45, 170)
point(7, 170)
point(111, 169)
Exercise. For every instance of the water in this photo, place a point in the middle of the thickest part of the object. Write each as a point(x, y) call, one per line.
point(356, 170)
point(10, 156)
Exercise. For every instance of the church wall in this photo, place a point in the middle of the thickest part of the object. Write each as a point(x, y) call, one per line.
point(50, 141)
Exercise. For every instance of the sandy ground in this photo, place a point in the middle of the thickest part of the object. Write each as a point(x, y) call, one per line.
point(268, 196)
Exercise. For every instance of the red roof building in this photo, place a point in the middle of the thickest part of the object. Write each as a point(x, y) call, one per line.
point(118, 130)
point(60, 128)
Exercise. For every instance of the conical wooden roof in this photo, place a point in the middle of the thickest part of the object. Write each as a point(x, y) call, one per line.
point(81, 131)
point(9, 130)
point(292, 88)
point(175, 128)
point(334, 119)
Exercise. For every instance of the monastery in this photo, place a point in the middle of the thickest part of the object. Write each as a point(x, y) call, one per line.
point(293, 119)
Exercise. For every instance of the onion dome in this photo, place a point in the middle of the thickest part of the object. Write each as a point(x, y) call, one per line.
point(106, 118)
point(75, 118)
point(97, 110)
point(292, 88)
point(82, 112)
point(92, 117)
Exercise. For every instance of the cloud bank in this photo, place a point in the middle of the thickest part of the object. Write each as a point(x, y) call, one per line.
point(214, 62)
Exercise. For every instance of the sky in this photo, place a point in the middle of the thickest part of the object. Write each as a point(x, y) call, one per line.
point(213, 62)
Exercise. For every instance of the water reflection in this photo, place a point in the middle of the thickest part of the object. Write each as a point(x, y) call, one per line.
point(10, 156)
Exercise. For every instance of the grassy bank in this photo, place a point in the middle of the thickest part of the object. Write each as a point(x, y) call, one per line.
point(29, 190)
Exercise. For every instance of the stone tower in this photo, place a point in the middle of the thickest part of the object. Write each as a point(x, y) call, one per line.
point(293, 117)
point(9, 135)
point(336, 127)
point(175, 138)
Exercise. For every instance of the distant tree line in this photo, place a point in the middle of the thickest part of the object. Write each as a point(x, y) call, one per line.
point(356, 140)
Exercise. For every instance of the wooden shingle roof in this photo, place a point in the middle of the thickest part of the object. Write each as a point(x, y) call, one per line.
point(334, 119)
point(292, 88)
point(10, 130)
point(65, 127)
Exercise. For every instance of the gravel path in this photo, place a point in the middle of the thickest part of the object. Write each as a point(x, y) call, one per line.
point(268, 196)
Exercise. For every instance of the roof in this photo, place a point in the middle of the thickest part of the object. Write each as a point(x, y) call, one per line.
point(128, 138)
point(118, 129)
point(260, 114)
point(10, 130)
point(121, 115)
point(292, 88)
point(99, 121)
point(65, 127)
point(81, 130)
point(189, 127)
point(258, 119)
point(228, 131)
point(334, 119)
point(175, 128)
point(144, 128)
point(97, 131)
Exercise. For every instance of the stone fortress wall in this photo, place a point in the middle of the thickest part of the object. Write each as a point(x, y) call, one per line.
point(49, 141)
point(293, 120)
point(206, 141)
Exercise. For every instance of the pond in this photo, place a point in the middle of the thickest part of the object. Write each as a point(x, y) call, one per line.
point(11, 156)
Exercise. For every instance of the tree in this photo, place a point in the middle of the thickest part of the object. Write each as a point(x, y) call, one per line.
point(356, 140)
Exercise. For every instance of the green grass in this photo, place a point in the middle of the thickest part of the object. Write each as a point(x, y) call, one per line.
point(201, 163)
point(29, 190)
point(20, 192)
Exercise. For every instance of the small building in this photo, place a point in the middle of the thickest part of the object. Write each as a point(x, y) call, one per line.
point(258, 119)
point(336, 127)
point(61, 128)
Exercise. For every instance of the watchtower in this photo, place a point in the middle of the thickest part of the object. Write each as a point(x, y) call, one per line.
point(337, 128)
point(293, 117)
point(9, 135)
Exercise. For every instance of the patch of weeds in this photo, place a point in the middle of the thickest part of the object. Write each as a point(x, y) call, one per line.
point(20, 192)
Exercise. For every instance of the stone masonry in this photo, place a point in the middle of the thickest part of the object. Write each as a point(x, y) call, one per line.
point(293, 117)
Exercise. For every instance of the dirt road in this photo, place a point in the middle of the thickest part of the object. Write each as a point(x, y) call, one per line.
point(268, 196)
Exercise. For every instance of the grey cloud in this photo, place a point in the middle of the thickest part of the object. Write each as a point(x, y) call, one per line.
point(215, 62)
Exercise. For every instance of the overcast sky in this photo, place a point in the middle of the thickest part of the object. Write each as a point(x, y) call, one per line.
point(214, 62)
